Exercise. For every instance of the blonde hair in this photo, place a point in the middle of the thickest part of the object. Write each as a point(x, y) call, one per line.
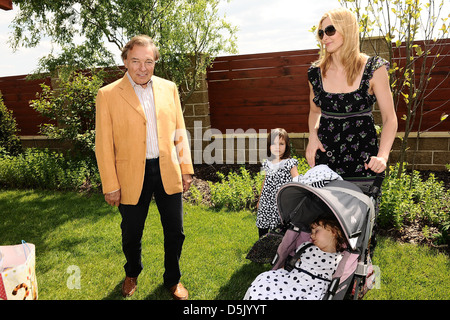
point(346, 24)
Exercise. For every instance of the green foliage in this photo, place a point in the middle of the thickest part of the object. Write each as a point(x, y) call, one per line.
point(70, 229)
point(44, 169)
point(9, 141)
point(409, 199)
point(405, 200)
point(195, 195)
point(410, 272)
point(188, 33)
point(241, 191)
point(303, 165)
point(236, 191)
point(72, 107)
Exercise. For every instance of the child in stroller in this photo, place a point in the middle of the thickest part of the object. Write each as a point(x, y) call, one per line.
point(300, 204)
point(311, 274)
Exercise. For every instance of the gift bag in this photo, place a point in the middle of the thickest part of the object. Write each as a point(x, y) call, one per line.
point(17, 272)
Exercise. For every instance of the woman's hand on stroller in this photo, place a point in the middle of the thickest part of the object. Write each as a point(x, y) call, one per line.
point(314, 144)
point(376, 164)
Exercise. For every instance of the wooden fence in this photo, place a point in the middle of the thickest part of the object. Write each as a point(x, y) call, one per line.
point(264, 91)
point(258, 91)
point(17, 92)
point(437, 94)
point(261, 91)
point(6, 4)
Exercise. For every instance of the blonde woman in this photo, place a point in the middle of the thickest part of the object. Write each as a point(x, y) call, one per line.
point(344, 85)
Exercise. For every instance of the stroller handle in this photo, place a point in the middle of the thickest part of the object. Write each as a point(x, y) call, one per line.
point(375, 188)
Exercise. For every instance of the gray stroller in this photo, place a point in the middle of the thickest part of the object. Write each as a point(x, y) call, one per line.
point(300, 204)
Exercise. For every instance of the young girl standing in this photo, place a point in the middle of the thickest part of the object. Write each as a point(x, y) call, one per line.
point(279, 169)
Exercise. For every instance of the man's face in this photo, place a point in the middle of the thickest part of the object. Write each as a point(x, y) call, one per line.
point(140, 63)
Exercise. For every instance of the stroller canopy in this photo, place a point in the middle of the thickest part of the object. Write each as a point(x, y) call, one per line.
point(300, 204)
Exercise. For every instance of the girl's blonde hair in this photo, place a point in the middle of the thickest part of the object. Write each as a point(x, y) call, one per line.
point(346, 24)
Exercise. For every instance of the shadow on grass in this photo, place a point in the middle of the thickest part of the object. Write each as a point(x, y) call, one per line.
point(239, 282)
point(159, 293)
point(69, 228)
point(116, 293)
point(32, 216)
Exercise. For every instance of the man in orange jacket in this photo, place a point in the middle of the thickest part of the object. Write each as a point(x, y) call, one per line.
point(142, 150)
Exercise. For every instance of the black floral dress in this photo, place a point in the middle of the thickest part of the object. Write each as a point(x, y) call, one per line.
point(347, 129)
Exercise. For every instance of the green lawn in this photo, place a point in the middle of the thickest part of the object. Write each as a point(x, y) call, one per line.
point(75, 232)
point(410, 272)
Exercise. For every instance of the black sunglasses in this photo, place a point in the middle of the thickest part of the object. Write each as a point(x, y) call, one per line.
point(329, 31)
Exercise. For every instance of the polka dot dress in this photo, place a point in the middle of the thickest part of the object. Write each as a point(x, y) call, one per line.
point(276, 175)
point(296, 285)
point(318, 176)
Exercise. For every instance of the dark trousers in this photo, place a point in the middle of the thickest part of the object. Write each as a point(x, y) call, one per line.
point(170, 208)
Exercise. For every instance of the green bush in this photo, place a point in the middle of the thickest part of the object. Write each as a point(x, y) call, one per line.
point(236, 191)
point(404, 201)
point(9, 141)
point(72, 107)
point(241, 191)
point(195, 196)
point(303, 165)
point(44, 169)
point(409, 199)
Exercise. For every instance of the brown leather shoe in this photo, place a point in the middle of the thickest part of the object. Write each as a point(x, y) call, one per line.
point(129, 286)
point(179, 292)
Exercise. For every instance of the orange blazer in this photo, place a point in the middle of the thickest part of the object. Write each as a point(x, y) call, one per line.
point(120, 140)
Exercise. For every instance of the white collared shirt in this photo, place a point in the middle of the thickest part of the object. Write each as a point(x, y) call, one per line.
point(147, 101)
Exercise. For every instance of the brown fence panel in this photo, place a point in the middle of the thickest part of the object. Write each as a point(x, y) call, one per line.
point(437, 94)
point(260, 91)
point(255, 91)
point(17, 91)
point(269, 90)
point(6, 4)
